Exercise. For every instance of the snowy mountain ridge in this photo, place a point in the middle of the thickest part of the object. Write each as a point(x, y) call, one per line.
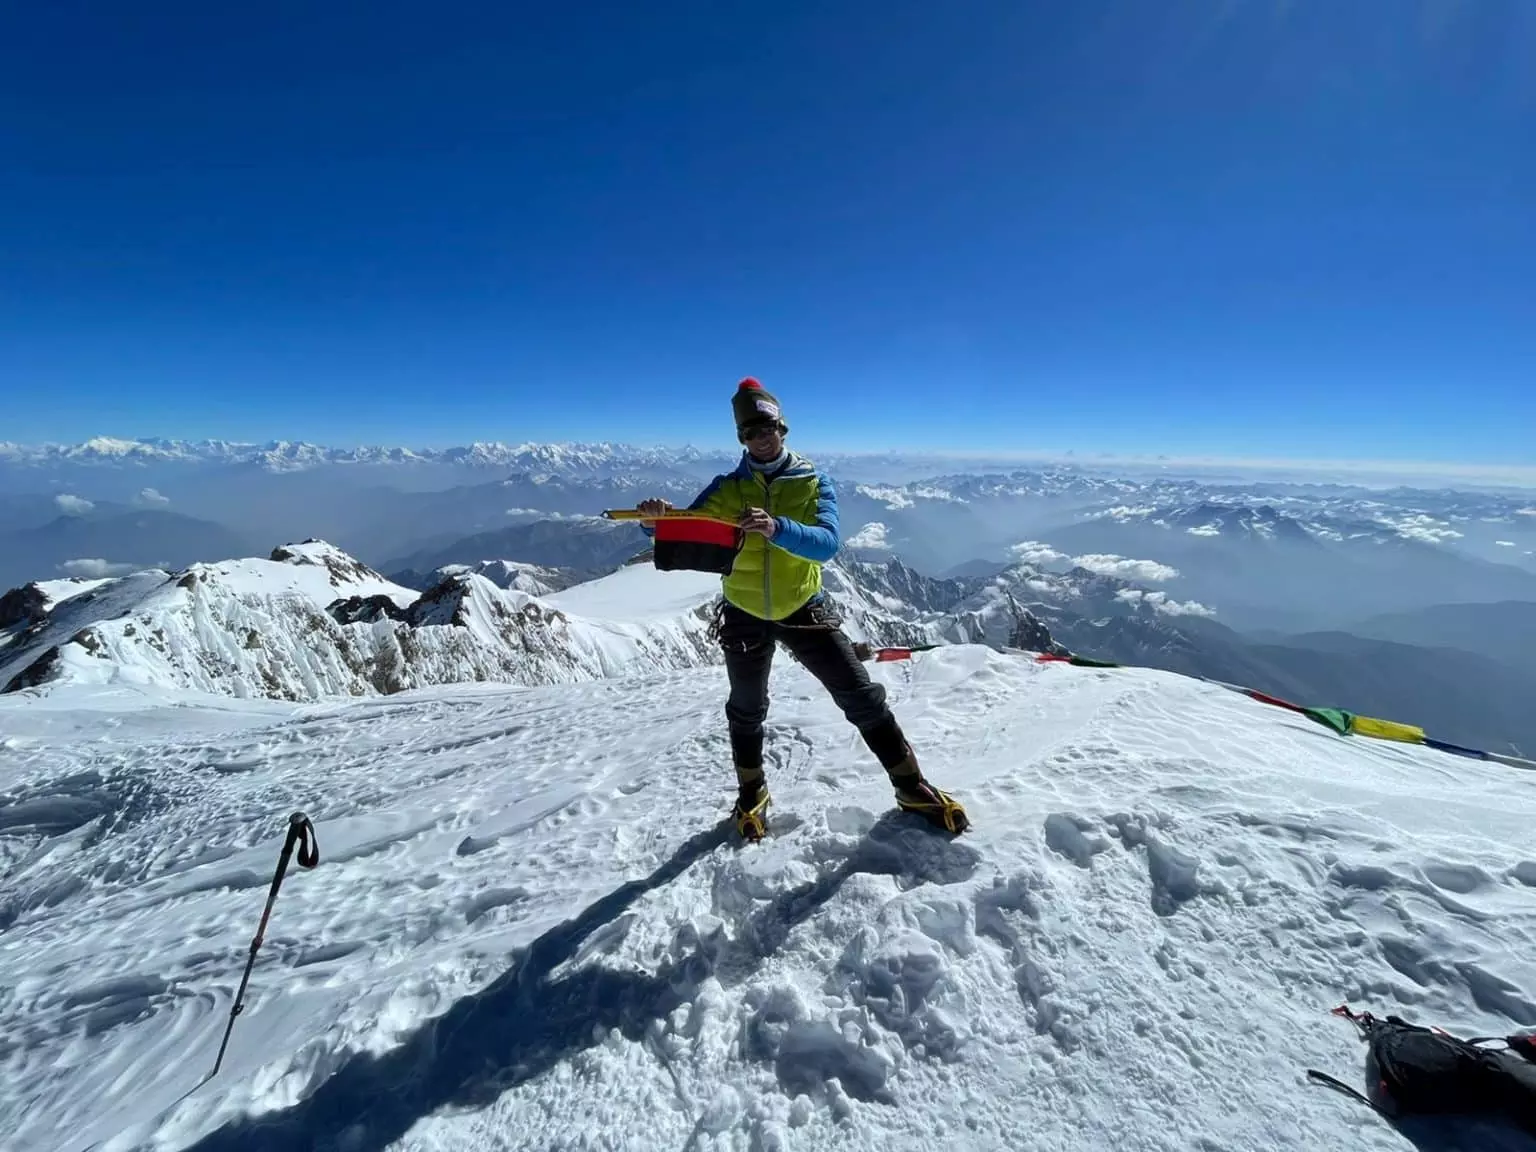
point(1021, 606)
point(311, 623)
point(509, 575)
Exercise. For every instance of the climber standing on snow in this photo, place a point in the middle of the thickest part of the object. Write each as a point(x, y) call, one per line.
point(785, 512)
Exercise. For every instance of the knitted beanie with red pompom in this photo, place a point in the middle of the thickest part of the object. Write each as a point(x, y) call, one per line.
point(754, 404)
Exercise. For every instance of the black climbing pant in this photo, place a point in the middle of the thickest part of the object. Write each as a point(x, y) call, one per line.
point(813, 635)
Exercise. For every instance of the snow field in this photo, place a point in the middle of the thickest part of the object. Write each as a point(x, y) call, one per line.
point(531, 929)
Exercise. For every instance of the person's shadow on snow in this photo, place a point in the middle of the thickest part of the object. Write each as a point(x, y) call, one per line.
point(1453, 1132)
point(1463, 1134)
point(529, 1019)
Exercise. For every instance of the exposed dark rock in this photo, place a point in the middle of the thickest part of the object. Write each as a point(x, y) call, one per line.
point(26, 605)
point(40, 671)
point(365, 609)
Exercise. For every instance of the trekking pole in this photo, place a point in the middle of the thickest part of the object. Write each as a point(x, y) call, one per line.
point(301, 833)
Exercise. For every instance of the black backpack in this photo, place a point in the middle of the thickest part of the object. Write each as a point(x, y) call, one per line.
point(1411, 1069)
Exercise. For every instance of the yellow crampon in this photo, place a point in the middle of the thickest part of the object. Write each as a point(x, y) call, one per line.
point(938, 808)
point(750, 822)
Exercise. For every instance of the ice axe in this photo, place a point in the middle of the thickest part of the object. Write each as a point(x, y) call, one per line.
point(670, 514)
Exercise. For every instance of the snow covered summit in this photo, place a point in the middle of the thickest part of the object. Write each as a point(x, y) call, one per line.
point(530, 928)
point(512, 575)
point(312, 622)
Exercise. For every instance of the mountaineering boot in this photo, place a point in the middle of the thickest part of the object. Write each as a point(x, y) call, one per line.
point(750, 812)
point(938, 808)
point(751, 807)
point(914, 794)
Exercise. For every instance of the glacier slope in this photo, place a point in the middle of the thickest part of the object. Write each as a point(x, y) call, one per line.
point(530, 930)
point(314, 623)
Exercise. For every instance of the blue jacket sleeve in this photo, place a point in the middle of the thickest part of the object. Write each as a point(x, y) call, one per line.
point(821, 540)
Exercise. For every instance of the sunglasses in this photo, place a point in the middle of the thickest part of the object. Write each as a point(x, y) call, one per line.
point(758, 432)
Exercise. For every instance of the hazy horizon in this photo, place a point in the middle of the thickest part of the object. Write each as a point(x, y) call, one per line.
point(1362, 472)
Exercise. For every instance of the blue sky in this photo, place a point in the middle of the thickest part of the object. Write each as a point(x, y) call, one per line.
point(1248, 228)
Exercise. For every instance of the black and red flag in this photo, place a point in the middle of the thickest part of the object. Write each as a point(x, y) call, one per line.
point(691, 541)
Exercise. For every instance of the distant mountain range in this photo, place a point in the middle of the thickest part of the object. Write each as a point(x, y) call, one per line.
point(1268, 569)
point(1281, 557)
point(1505, 631)
point(1460, 695)
point(285, 455)
point(1259, 566)
point(922, 520)
point(1439, 513)
point(585, 547)
point(99, 540)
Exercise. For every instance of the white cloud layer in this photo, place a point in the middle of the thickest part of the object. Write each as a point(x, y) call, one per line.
point(1105, 564)
point(1160, 602)
point(72, 505)
point(95, 568)
point(1034, 552)
point(1425, 528)
point(872, 536)
point(1125, 568)
point(151, 498)
point(535, 514)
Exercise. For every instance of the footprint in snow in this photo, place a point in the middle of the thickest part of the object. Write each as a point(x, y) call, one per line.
point(1174, 873)
point(1068, 835)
